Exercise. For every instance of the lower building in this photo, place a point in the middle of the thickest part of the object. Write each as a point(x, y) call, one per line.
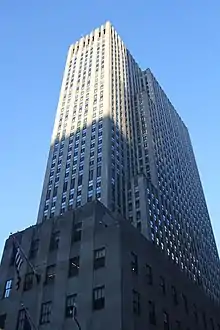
point(90, 271)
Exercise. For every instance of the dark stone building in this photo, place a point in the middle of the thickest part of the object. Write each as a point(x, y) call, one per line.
point(116, 277)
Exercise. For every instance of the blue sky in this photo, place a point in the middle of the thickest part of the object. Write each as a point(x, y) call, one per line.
point(179, 41)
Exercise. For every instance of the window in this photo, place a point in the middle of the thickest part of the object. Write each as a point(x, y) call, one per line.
point(45, 312)
point(174, 295)
point(65, 186)
point(80, 180)
point(136, 302)
point(7, 289)
point(212, 324)
point(50, 274)
point(204, 320)
point(185, 302)
point(98, 171)
point(70, 303)
point(99, 297)
point(162, 285)
point(149, 275)
point(22, 321)
point(152, 313)
point(54, 241)
point(74, 266)
point(28, 281)
point(166, 323)
point(77, 232)
point(195, 313)
point(34, 248)
point(2, 321)
point(134, 263)
point(99, 258)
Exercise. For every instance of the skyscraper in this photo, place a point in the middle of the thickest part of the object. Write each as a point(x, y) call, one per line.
point(117, 138)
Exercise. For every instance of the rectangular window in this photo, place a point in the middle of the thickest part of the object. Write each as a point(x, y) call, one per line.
point(185, 302)
point(7, 289)
point(50, 274)
point(45, 315)
point(174, 295)
point(2, 321)
point(152, 312)
point(99, 258)
point(212, 324)
point(166, 323)
point(136, 302)
point(99, 297)
point(134, 263)
point(149, 275)
point(65, 186)
point(162, 285)
point(54, 241)
point(77, 232)
point(22, 322)
point(80, 180)
point(34, 248)
point(70, 303)
point(99, 171)
point(28, 281)
point(74, 266)
point(195, 313)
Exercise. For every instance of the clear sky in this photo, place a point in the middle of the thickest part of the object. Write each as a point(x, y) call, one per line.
point(178, 39)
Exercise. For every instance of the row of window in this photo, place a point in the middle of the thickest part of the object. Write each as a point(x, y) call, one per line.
point(98, 302)
point(50, 275)
point(176, 298)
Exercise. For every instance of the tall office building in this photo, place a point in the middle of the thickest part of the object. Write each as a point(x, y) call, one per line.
point(117, 138)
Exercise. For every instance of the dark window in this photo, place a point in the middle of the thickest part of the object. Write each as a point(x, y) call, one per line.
point(90, 175)
point(174, 295)
point(134, 263)
point(152, 313)
point(99, 171)
point(72, 183)
point(22, 321)
point(212, 324)
point(45, 312)
point(204, 320)
point(70, 303)
point(99, 258)
point(54, 241)
point(162, 285)
point(55, 190)
point(99, 297)
point(136, 302)
point(74, 266)
point(166, 323)
point(80, 180)
point(2, 321)
point(7, 289)
point(65, 186)
point(195, 313)
point(149, 275)
point(28, 281)
point(50, 274)
point(77, 232)
point(185, 302)
point(34, 248)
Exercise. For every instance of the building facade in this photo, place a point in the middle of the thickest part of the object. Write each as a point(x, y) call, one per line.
point(116, 278)
point(117, 137)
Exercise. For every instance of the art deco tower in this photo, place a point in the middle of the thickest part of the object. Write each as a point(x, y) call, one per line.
point(117, 138)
